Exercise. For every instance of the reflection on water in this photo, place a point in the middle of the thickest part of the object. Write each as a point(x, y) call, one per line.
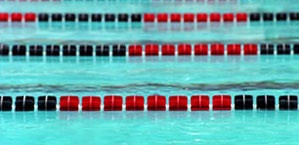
point(137, 59)
point(108, 26)
point(141, 26)
point(243, 116)
point(130, 33)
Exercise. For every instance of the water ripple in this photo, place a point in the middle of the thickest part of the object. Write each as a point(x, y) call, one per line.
point(246, 86)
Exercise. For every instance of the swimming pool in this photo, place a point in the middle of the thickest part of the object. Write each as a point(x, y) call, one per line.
point(215, 75)
point(186, 75)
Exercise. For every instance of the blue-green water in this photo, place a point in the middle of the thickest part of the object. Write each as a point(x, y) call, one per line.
point(255, 75)
point(150, 75)
point(249, 127)
point(276, 75)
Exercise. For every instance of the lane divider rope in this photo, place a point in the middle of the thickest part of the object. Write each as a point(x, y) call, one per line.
point(154, 103)
point(149, 49)
point(150, 17)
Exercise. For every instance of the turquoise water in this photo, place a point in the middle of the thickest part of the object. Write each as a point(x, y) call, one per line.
point(172, 76)
point(252, 127)
point(147, 76)
point(255, 75)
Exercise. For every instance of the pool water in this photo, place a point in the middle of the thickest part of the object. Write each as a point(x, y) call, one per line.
point(147, 76)
point(186, 75)
point(212, 75)
point(145, 128)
